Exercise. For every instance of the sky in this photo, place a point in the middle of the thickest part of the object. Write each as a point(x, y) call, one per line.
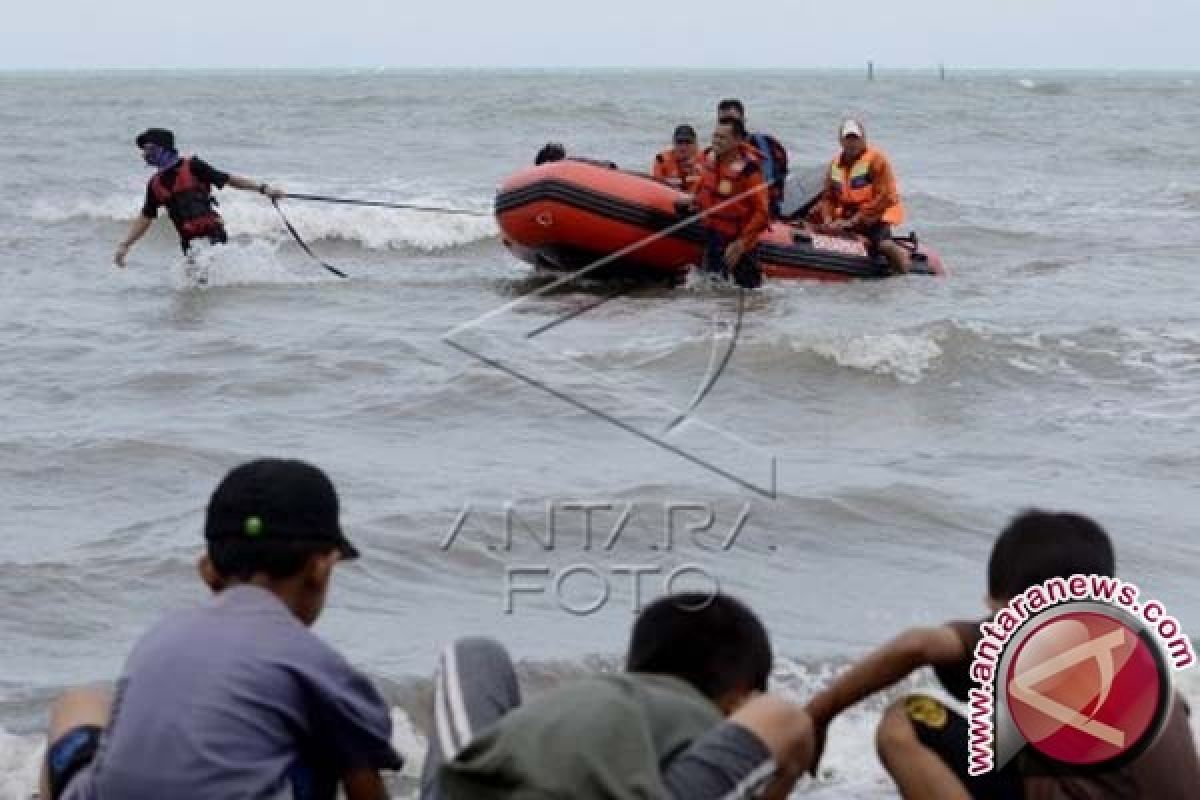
point(1095, 34)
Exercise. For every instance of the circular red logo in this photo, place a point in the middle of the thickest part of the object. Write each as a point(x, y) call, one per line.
point(1085, 688)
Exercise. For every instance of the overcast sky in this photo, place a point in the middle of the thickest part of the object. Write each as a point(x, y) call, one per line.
point(1159, 34)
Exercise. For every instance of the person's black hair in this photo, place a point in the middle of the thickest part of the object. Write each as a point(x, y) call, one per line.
point(731, 103)
point(159, 136)
point(1040, 545)
point(715, 643)
point(242, 559)
point(738, 127)
point(552, 151)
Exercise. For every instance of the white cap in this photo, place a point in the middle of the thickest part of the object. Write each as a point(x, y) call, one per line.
point(851, 127)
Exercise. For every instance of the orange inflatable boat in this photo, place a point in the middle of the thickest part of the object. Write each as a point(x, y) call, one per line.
point(572, 215)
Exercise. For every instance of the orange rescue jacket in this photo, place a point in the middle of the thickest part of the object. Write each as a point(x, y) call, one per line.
point(866, 188)
point(681, 174)
point(735, 176)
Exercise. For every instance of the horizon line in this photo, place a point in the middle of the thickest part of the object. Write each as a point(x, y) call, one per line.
point(878, 66)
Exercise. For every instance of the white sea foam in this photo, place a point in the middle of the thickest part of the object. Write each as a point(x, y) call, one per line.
point(905, 357)
point(373, 228)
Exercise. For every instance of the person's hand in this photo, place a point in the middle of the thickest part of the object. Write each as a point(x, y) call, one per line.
point(275, 193)
point(786, 729)
point(121, 254)
point(734, 253)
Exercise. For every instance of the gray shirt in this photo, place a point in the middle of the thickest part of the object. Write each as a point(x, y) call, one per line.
point(236, 699)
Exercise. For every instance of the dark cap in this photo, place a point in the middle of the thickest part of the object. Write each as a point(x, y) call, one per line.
point(277, 500)
point(684, 133)
point(551, 152)
point(159, 136)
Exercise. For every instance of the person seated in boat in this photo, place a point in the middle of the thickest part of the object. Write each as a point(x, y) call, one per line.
point(553, 151)
point(732, 199)
point(771, 154)
point(688, 719)
point(926, 746)
point(237, 698)
point(550, 152)
point(679, 165)
point(861, 196)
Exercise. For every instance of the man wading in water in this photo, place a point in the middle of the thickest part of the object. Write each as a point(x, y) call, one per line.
point(184, 187)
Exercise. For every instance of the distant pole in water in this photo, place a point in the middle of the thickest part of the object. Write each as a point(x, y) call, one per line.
point(942, 71)
point(870, 70)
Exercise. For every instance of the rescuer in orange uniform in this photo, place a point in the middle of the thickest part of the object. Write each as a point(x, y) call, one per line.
point(732, 199)
point(680, 165)
point(861, 196)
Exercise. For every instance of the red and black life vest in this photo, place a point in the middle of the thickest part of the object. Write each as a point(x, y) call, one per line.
point(190, 203)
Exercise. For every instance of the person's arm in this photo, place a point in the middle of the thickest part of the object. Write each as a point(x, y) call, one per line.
point(759, 212)
point(765, 746)
point(886, 193)
point(209, 174)
point(822, 211)
point(659, 168)
point(137, 229)
point(756, 198)
point(251, 185)
point(788, 732)
point(350, 719)
point(364, 784)
point(911, 650)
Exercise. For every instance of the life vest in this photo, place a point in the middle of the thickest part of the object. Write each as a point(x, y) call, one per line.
point(190, 203)
point(681, 175)
point(854, 187)
point(720, 181)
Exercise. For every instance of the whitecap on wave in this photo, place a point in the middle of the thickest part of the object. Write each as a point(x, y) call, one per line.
point(372, 228)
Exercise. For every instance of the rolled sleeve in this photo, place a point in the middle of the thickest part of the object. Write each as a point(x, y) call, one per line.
point(206, 173)
point(352, 724)
point(150, 205)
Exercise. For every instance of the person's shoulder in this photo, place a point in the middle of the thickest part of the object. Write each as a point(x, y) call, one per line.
point(966, 631)
point(948, 643)
point(201, 167)
point(770, 139)
point(252, 613)
point(311, 650)
point(177, 630)
point(607, 696)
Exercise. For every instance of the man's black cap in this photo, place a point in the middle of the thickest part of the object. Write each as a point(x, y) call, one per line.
point(277, 500)
point(159, 136)
point(684, 133)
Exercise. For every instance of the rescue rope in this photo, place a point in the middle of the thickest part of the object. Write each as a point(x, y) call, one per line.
point(320, 198)
point(303, 244)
